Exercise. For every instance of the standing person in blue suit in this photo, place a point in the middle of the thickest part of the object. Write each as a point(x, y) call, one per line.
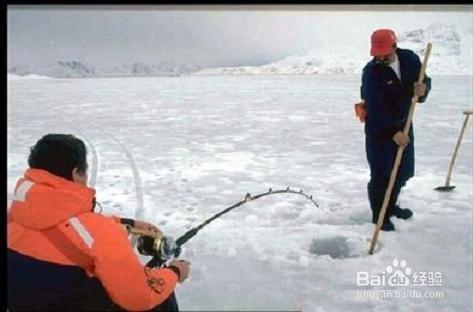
point(389, 82)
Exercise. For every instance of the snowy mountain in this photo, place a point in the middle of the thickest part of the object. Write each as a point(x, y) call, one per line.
point(451, 51)
point(76, 69)
point(451, 54)
point(32, 76)
point(61, 69)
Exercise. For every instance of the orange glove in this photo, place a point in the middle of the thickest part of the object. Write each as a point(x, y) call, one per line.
point(360, 111)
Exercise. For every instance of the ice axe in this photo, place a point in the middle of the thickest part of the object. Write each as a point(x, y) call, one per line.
point(400, 150)
point(447, 186)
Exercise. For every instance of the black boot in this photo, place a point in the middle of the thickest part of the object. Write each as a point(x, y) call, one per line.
point(387, 225)
point(402, 213)
point(395, 210)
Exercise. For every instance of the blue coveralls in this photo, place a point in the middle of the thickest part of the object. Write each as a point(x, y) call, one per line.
point(387, 101)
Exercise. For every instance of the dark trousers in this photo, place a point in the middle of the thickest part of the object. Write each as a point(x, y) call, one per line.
point(36, 285)
point(376, 190)
point(170, 304)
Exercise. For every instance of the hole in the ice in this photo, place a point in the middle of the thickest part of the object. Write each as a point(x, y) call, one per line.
point(337, 247)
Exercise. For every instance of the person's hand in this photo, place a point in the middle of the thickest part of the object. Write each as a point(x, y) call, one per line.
point(419, 89)
point(360, 110)
point(184, 268)
point(145, 226)
point(401, 139)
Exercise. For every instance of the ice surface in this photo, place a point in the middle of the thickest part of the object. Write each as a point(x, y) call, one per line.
point(175, 151)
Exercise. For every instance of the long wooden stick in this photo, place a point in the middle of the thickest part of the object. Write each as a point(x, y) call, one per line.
point(400, 150)
point(457, 146)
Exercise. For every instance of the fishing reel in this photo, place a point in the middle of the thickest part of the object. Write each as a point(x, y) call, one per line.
point(161, 248)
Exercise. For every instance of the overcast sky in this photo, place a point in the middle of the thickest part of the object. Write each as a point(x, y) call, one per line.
point(207, 36)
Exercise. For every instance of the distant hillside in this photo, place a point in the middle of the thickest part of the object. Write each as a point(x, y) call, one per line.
point(76, 69)
point(451, 54)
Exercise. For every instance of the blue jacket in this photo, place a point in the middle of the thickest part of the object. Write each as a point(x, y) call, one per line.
point(387, 101)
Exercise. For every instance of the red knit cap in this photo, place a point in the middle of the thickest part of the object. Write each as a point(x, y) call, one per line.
point(382, 41)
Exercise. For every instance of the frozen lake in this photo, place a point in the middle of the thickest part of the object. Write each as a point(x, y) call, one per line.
point(176, 150)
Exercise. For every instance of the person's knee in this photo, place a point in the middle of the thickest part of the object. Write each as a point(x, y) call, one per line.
point(378, 183)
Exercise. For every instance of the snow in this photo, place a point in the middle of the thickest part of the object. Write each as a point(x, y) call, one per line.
point(80, 69)
point(31, 76)
point(176, 150)
point(451, 55)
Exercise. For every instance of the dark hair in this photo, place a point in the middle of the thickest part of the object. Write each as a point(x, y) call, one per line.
point(59, 154)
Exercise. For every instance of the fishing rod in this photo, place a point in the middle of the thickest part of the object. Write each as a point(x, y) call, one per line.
point(162, 248)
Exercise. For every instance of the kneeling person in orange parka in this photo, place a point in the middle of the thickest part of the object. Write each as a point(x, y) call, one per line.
point(64, 256)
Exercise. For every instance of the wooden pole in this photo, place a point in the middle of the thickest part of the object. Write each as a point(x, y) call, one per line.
point(400, 150)
point(457, 146)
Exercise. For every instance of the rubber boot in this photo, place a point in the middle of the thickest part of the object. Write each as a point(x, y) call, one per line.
point(395, 210)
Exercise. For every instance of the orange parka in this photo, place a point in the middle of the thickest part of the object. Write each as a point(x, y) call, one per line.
point(46, 206)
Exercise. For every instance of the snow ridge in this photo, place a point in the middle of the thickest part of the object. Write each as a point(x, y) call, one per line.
point(77, 69)
point(451, 54)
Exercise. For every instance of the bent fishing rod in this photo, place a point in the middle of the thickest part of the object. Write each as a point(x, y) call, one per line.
point(163, 248)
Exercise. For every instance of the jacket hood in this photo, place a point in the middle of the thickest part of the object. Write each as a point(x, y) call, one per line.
point(48, 200)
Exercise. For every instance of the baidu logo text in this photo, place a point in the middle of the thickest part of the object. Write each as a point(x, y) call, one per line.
point(399, 274)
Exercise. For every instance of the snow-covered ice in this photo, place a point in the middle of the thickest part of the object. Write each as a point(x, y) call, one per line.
point(177, 150)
